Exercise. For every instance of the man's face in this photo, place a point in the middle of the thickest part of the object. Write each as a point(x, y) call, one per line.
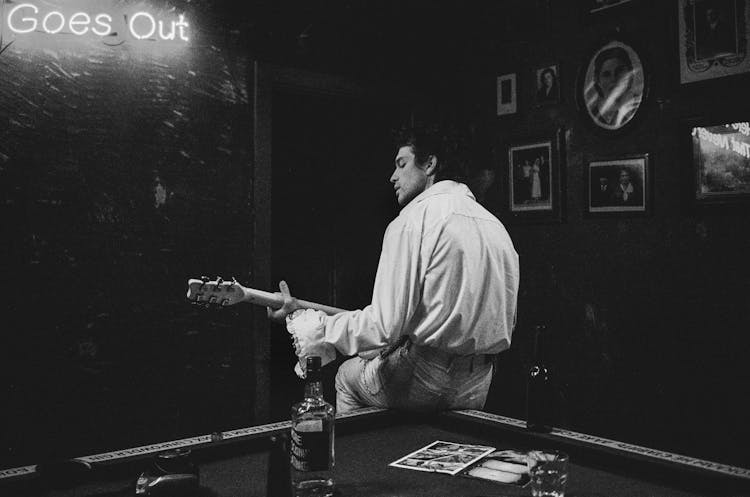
point(624, 178)
point(409, 180)
point(712, 15)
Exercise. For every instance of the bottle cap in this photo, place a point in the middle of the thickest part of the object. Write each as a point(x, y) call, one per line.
point(313, 363)
point(313, 367)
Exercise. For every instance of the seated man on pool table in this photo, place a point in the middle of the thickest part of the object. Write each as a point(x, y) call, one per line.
point(443, 303)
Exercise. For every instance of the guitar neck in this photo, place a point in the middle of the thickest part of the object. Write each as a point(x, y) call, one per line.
point(267, 299)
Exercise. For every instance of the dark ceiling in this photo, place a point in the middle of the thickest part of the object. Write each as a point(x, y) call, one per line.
point(369, 37)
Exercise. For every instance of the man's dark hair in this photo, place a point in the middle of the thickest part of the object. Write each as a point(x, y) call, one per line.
point(432, 141)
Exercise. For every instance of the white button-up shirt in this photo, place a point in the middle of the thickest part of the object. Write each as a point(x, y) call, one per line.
point(447, 277)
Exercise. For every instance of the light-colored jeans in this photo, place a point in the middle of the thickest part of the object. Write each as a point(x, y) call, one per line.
point(413, 378)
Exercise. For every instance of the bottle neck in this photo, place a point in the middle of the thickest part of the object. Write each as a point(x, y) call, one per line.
point(314, 389)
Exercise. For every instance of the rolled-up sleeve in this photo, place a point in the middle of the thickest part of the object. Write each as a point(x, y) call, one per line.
point(396, 296)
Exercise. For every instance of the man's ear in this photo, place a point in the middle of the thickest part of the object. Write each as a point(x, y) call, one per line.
point(430, 167)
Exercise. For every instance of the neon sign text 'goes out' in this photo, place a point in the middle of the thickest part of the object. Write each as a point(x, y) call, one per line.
point(25, 18)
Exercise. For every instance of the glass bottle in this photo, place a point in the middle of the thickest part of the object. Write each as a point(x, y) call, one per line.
point(312, 436)
point(539, 393)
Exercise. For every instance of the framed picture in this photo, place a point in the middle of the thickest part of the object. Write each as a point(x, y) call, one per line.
point(506, 94)
point(718, 151)
point(612, 86)
point(547, 85)
point(534, 179)
point(601, 5)
point(619, 185)
point(712, 38)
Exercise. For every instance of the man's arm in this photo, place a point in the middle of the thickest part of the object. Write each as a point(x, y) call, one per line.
point(396, 296)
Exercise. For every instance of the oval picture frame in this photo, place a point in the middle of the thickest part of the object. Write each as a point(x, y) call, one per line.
point(613, 86)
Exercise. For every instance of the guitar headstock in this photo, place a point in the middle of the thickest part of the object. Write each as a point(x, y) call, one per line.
point(216, 292)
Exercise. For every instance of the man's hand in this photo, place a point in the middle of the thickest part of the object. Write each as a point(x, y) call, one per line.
point(290, 304)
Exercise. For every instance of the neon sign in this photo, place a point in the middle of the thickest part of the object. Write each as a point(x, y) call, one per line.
point(26, 18)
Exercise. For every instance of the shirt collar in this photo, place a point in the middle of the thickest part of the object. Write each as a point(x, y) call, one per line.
point(440, 188)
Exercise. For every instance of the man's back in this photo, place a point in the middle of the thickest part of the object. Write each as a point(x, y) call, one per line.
point(467, 272)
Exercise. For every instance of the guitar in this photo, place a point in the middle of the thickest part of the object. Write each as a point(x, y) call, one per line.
point(222, 293)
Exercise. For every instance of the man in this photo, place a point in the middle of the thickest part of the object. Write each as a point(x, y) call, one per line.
point(602, 193)
point(714, 36)
point(626, 192)
point(444, 299)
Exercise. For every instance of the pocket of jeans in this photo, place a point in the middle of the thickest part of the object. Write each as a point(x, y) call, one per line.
point(370, 379)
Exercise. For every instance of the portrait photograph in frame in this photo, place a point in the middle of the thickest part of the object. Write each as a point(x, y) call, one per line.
point(534, 179)
point(506, 94)
point(612, 86)
point(621, 185)
point(712, 38)
point(547, 80)
point(718, 151)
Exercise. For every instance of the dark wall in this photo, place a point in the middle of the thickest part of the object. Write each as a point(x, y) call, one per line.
point(124, 171)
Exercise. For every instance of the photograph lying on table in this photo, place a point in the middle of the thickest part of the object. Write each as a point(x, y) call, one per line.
point(721, 161)
point(620, 185)
point(713, 38)
point(443, 457)
point(503, 466)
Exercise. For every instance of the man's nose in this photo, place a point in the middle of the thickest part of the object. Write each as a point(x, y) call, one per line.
point(394, 176)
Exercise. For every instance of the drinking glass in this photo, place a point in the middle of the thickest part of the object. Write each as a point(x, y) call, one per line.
point(548, 470)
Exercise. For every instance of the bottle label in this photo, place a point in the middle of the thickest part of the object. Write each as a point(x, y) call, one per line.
point(309, 448)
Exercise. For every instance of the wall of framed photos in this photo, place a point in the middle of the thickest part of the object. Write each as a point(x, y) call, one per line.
point(637, 259)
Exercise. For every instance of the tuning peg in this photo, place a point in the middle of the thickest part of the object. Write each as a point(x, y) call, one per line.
point(219, 281)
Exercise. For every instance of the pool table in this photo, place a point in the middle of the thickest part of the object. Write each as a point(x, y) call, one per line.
point(236, 462)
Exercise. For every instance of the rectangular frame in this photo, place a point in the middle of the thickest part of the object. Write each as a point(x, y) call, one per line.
point(605, 193)
point(706, 53)
point(544, 94)
point(535, 172)
point(717, 152)
point(507, 94)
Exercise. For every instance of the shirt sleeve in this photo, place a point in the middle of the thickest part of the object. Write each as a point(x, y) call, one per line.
point(395, 297)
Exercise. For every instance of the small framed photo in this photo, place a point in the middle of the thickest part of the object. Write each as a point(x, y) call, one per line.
point(713, 38)
point(619, 186)
point(547, 85)
point(719, 153)
point(595, 6)
point(612, 86)
point(506, 94)
point(534, 174)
